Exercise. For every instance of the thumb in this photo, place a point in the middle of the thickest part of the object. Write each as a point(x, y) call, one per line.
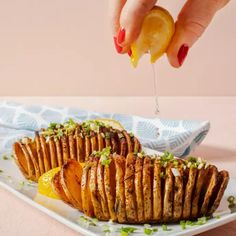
point(192, 21)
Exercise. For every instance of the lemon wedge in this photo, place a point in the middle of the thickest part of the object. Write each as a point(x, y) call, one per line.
point(155, 36)
point(110, 122)
point(44, 183)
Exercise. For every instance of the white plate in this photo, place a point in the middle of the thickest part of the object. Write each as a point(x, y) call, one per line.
point(11, 179)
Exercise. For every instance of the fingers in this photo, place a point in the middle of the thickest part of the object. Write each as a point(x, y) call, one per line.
point(192, 21)
point(127, 17)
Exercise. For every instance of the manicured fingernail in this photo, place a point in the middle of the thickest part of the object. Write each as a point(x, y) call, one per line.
point(183, 51)
point(129, 53)
point(118, 47)
point(121, 36)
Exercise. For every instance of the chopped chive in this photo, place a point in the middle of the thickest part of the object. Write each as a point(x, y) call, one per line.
point(231, 199)
point(1, 171)
point(165, 228)
point(126, 231)
point(5, 157)
point(183, 224)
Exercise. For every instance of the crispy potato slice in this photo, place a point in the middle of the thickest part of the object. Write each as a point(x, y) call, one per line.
point(65, 148)
point(114, 142)
point(39, 153)
point(168, 194)
point(101, 190)
point(147, 189)
point(57, 188)
point(87, 147)
point(128, 140)
point(85, 191)
point(94, 144)
point(45, 151)
point(110, 187)
point(53, 153)
point(223, 179)
point(130, 199)
point(120, 189)
point(31, 148)
point(108, 139)
point(178, 195)
point(213, 173)
point(157, 193)
point(70, 179)
point(20, 159)
point(136, 145)
point(80, 144)
point(123, 144)
point(139, 188)
point(93, 190)
point(189, 192)
point(59, 152)
point(200, 181)
point(30, 166)
point(72, 147)
point(100, 141)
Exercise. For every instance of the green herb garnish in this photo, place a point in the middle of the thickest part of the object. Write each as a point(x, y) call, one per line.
point(183, 224)
point(1, 171)
point(165, 228)
point(231, 199)
point(5, 157)
point(150, 231)
point(87, 220)
point(126, 231)
point(104, 155)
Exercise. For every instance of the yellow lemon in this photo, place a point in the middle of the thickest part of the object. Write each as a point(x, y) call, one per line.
point(156, 33)
point(44, 183)
point(110, 122)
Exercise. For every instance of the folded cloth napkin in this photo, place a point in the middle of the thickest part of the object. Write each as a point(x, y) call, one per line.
point(177, 136)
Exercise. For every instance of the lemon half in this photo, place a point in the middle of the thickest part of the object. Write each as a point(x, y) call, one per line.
point(155, 36)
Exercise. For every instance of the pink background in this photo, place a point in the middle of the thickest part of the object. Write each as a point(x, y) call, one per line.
point(61, 47)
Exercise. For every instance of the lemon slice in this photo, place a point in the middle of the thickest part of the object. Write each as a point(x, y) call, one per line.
point(110, 122)
point(156, 33)
point(44, 183)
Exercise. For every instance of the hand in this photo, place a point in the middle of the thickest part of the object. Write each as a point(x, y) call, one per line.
point(127, 17)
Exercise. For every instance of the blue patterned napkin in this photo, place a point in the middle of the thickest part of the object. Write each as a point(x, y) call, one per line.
point(177, 136)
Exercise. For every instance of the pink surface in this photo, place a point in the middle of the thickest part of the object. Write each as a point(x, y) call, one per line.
point(61, 47)
point(17, 218)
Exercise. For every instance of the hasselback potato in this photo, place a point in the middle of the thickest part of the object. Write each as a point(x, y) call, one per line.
point(140, 188)
point(53, 146)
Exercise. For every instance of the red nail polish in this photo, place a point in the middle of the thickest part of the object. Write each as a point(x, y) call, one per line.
point(121, 36)
point(183, 51)
point(118, 48)
point(129, 53)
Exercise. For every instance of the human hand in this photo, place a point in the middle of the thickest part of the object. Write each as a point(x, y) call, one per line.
point(127, 17)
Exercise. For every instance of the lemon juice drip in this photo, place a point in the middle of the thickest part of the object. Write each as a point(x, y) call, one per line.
point(154, 71)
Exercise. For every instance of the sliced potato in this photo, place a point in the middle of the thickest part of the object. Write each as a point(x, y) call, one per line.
point(213, 173)
point(57, 188)
point(110, 187)
point(94, 144)
point(39, 153)
point(53, 153)
point(100, 141)
point(114, 142)
point(139, 188)
point(120, 189)
point(223, 179)
point(200, 181)
point(178, 195)
point(80, 145)
point(147, 189)
point(189, 192)
point(70, 179)
point(72, 147)
point(168, 194)
point(128, 140)
point(136, 145)
point(123, 144)
point(85, 191)
point(45, 151)
point(59, 152)
point(30, 166)
point(20, 159)
point(101, 190)
point(31, 148)
point(157, 193)
point(65, 148)
point(87, 147)
point(93, 190)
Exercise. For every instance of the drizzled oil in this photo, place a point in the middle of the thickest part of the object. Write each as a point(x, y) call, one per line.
point(155, 87)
